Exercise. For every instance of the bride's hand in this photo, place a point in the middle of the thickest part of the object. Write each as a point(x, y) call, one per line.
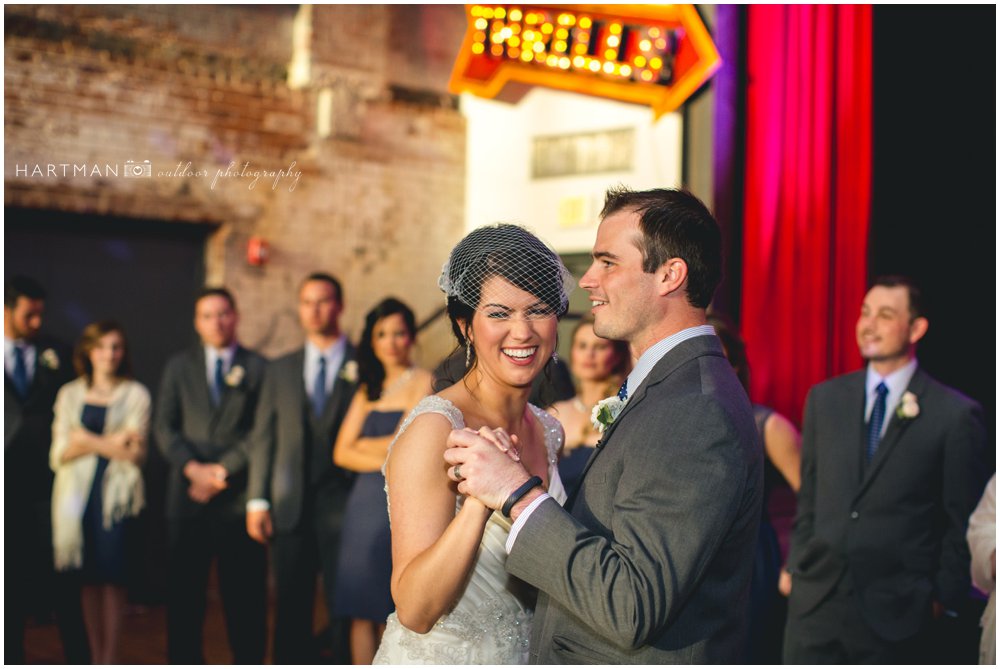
point(482, 468)
point(476, 507)
point(507, 443)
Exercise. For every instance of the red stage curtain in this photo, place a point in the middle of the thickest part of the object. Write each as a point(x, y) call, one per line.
point(807, 195)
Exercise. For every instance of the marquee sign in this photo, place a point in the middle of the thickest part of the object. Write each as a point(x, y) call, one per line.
point(657, 55)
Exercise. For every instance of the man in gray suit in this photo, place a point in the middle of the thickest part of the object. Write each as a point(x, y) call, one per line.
point(650, 560)
point(893, 463)
point(297, 495)
point(204, 414)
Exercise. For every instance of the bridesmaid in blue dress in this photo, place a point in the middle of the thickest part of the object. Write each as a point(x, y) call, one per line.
point(98, 442)
point(390, 387)
point(599, 366)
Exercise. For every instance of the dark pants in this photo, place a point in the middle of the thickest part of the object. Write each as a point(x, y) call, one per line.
point(835, 633)
point(298, 556)
point(33, 588)
point(242, 571)
point(766, 605)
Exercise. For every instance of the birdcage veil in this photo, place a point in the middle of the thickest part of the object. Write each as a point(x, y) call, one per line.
point(514, 254)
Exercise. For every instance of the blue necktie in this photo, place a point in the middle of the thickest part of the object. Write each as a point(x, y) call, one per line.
point(623, 391)
point(319, 389)
point(219, 384)
point(20, 372)
point(876, 420)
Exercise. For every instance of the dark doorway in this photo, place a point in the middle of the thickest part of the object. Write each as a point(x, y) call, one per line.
point(141, 273)
point(934, 208)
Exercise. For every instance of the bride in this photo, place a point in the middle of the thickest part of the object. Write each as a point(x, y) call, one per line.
point(455, 603)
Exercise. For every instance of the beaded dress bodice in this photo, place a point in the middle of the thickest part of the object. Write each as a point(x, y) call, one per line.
point(491, 623)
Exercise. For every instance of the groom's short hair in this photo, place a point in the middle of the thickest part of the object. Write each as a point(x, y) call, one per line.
point(917, 307)
point(674, 224)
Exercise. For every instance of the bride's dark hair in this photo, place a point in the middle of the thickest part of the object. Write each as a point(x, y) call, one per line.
point(511, 253)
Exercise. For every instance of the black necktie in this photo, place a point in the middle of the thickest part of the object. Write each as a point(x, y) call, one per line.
point(219, 383)
point(20, 372)
point(876, 420)
point(319, 389)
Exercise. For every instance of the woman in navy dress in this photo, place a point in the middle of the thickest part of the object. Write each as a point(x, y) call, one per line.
point(782, 461)
point(98, 442)
point(599, 366)
point(390, 387)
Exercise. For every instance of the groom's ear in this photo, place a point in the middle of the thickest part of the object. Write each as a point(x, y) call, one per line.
point(671, 276)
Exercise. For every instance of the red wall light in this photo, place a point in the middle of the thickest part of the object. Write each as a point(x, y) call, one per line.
point(258, 251)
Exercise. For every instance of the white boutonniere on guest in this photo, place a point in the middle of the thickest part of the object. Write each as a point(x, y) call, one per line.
point(605, 412)
point(235, 376)
point(349, 372)
point(50, 359)
point(908, 407)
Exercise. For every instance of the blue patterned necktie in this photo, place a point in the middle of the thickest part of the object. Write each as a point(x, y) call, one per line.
point(623, 391)
point(876, 420)
point(319, 389)
point(20, 372)
point(219, 384)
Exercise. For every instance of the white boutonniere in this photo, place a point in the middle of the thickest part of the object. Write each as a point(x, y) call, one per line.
point(605, 412)
point(235, 376)
point(908, 407)
point(50, 359)
point(349, 372)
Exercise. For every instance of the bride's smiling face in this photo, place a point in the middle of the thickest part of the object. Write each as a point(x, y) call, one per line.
point(513, 332)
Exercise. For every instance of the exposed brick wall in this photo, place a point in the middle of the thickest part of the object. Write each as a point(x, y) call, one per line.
point(194, 89)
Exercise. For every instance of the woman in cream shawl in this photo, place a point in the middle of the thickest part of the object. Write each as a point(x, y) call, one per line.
point(98, 442)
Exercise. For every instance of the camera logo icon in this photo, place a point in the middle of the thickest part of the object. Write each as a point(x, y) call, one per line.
point(138, 170)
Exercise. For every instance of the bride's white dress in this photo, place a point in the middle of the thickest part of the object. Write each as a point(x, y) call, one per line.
point(491, 623)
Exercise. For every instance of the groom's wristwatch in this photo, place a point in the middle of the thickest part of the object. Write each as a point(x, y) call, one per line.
point(516, 496)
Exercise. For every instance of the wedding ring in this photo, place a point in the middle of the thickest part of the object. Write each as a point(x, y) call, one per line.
point(458, 474)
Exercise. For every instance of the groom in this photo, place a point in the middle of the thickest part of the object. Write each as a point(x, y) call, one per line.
point(650, 560)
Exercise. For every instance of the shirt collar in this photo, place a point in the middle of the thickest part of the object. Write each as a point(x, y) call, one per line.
point(897, 381)
point(644, 365)
point(225, 354)
point(9, 344)
point(332, 352)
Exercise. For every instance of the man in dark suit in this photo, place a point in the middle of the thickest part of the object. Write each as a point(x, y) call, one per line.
point(35, 367)
point(649, 562)
point(204, 415)
point(892, 466)
point(297, 494)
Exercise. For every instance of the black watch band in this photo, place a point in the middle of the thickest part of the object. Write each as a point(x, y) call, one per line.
point(516, 496)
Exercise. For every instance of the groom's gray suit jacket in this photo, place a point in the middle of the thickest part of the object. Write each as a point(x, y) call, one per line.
point(650, 562)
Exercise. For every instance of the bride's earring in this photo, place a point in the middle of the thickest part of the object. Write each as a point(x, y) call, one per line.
point(555, 357)
point(468, 355)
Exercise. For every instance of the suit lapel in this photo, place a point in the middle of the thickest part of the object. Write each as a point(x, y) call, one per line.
point(897, 428)
point(297, 385)
point(227, 393)
point(854, 405)
point(340, 385)
point(677, 356)
point(10, 388)
point(637, 397)
point(198, 369)
point(40, 377)
point(44, 378)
